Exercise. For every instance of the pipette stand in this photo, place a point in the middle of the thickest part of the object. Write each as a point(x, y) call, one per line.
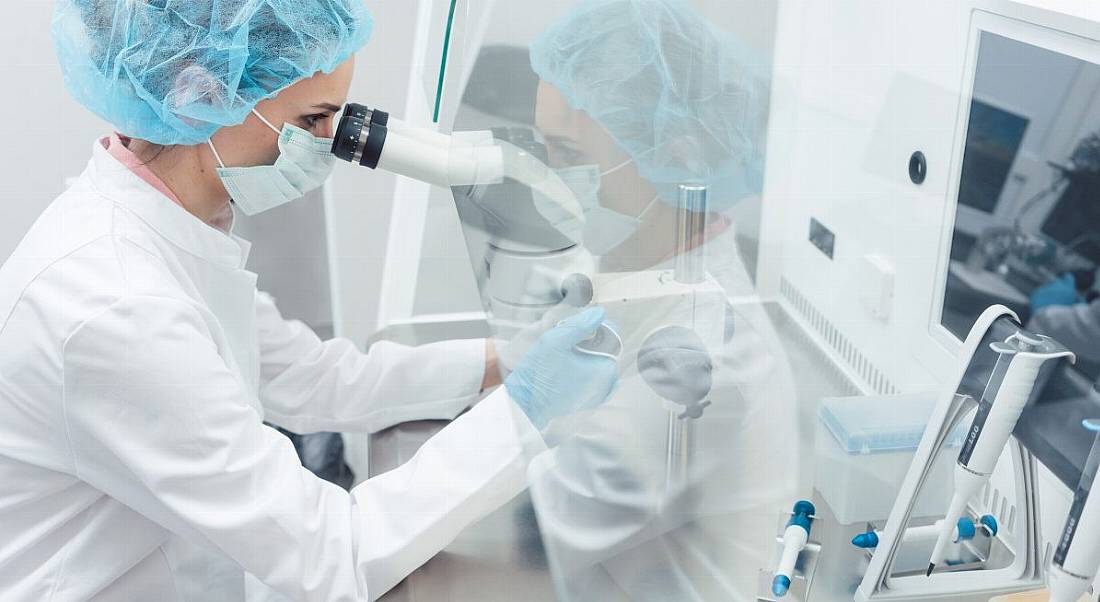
point(1020, 536)
point(804, 569)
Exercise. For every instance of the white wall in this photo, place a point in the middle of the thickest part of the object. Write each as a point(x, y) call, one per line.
point(49, 136)
point(290, 257)
point(361, 202)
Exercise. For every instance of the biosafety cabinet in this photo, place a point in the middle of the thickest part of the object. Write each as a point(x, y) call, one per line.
point(876, 176)
point(946, 143)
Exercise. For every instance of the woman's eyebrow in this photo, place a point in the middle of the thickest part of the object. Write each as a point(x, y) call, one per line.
point(328, 107)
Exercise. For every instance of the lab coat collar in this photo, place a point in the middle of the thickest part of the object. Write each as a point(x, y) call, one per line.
point(115, 181)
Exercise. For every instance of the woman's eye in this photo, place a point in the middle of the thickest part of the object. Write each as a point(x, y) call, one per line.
point(568, 155)
point(313, 120)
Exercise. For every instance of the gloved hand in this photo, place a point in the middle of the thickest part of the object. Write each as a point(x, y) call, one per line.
point(554, 379)
point(1060, 291)
point(511, 351)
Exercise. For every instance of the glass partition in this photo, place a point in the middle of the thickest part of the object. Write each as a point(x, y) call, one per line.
point(1030, 242)
point(764, 237)
point(629, 133)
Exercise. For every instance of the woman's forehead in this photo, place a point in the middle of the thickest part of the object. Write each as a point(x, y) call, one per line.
point(330, 88)
point(555, 117)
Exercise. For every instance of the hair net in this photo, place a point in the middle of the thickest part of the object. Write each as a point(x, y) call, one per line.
point(685, 99)
point(175, 71)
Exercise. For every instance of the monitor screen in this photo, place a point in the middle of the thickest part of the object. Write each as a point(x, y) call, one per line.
point(993, 137)
point(1027, 230)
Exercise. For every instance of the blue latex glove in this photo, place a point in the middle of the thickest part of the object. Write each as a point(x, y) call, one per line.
point(554, 379)
point(1061, 291)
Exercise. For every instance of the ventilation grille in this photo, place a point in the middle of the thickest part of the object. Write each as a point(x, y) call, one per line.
point(1001, 508)
point(861, 367)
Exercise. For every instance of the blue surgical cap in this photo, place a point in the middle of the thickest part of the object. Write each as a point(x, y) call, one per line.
point(685, 99)
point(175, 71)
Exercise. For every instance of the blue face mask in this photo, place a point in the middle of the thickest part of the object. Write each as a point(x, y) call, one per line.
point(305, 162)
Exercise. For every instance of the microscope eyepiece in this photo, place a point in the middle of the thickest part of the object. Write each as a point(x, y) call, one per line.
point(361, 135)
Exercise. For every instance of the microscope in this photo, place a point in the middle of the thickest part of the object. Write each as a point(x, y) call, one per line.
point(534, 259)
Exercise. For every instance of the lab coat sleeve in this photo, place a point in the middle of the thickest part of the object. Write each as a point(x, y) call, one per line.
point(1076, 326)
point(156, 420)
point(307, 385)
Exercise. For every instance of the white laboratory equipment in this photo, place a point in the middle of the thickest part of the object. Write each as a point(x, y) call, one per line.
point(370, 138)
point(534, 259)
point(868, 158)
point(864, 445)
point(964, 530)
point(535, 262)
point(981, 379)
point(907, 197)
point(1075, 562)
point(1019, 360)
point(795, 537)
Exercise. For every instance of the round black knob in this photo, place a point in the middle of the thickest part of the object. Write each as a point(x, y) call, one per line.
point(918, 168)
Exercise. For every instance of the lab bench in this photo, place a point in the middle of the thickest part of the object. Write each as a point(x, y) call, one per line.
point(502, 556)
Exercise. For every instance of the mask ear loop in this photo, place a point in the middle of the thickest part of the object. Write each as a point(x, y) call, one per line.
point(266, 122)
point(616, 168)
point(648, 207)
point(210, 143)
point(652, 202)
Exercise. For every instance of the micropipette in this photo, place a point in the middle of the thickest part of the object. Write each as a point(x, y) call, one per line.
point(1019, 359)
point(964, 530)
point(794, 540)
point(1078, 555)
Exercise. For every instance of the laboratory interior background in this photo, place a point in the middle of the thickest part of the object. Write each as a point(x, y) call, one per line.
point(867, 230)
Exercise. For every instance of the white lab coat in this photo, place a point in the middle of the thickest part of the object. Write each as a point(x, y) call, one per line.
point(610, 529)
point(1076, 326)
point(136, 365)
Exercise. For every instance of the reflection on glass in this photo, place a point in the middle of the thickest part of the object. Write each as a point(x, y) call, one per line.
point(993, 139)
point(1027, 231)
point(628, 102)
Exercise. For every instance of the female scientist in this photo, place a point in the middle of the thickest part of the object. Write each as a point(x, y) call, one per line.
point(138, 360)
point(639, 96)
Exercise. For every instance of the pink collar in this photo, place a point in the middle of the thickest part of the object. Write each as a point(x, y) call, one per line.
point(116, 146)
